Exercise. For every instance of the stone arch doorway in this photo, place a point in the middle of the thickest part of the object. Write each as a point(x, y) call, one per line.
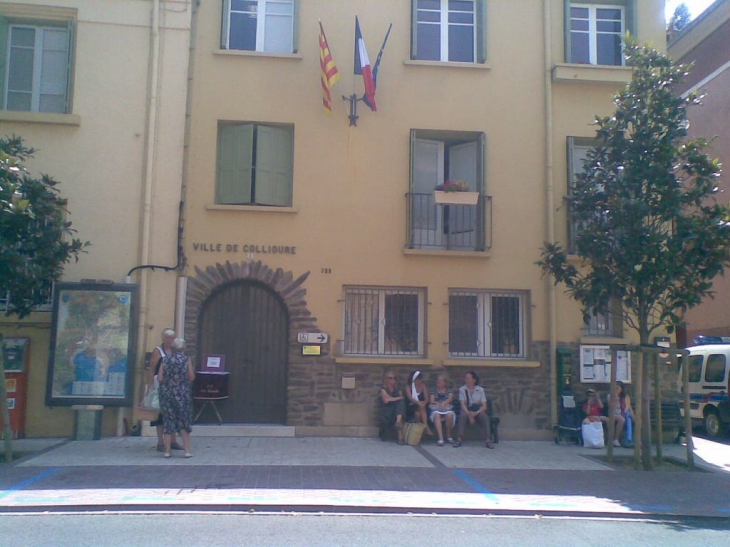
point(250, 313)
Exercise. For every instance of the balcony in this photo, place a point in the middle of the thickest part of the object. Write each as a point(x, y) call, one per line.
point(448, 227)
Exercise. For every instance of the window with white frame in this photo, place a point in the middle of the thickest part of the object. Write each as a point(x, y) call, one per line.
point(260, 25)
point(255, 164)
point(596, 31)
point(437, 156)
point(36, 75)
point(449, 30)
point(577, 148)
point(384, 321)
point(487, 323)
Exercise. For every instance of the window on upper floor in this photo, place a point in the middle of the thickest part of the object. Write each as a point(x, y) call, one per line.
point(260, 25)
point(255, 164)
point(384, 321)
point(37, 65)
point(578, 149)
point(595, 30)
point(448, 30)
point(437, 156)
point(487, 323)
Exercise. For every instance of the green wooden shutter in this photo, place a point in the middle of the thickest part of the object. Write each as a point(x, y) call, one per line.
point(414, 30)
point(225, 23)
point(631, 17)
point(274, 166)
point(295, 29)
point(71, 28)
point(235, 167)
point(566, 27)
point(3, 57)
point(481, 243)
point(481, 30)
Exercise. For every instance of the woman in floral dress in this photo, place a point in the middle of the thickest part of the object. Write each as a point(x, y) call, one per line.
point(176, 400)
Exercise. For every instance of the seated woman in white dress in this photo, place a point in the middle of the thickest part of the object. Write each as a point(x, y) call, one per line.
point(442, 410)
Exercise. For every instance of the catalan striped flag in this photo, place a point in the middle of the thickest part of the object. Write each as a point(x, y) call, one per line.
point(330, 74)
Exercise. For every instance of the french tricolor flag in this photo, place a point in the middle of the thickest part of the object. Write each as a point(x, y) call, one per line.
point(362, 66)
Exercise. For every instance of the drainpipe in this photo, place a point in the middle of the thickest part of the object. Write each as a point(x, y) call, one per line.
point(150, 160)
point(182, 281)
point(549, 189)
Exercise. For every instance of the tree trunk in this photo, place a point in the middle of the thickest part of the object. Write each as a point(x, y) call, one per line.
point(658, 410)
point(687, 418)
point(645, 436)
point(7, 432)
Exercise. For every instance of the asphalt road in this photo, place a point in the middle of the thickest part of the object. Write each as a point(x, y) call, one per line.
point(352, 530)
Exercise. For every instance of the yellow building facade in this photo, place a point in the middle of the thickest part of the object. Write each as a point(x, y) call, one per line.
point(298, 221)
point(315, 256)
point(105, 87)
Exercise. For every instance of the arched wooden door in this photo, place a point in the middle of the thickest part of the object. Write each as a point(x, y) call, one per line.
point(249, 324)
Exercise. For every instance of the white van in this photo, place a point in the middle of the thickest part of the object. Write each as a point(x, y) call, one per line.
point(709, 368)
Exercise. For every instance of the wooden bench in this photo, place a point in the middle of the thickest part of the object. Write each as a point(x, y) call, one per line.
point(493, 420)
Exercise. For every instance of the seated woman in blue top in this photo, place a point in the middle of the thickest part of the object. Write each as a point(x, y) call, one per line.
point(473, 403)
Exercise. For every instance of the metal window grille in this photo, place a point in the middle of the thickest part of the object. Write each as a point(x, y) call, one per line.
point(6, 303)
point(448, 227)
point(384, 321)
point(487, 323)
point(605, 324)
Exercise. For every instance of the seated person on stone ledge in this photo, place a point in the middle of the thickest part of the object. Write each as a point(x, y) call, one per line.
point(442, 410)
point(473, 403)
point(593, 408)
point(393, 408)
point(418, 399)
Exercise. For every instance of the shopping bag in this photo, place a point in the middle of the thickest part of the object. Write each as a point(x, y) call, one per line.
point(592, 435)
point(412, 433)
point(152, 398)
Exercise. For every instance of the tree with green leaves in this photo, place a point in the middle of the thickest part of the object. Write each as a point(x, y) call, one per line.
point(680, 19)
point(36, 241)
point(651, 233)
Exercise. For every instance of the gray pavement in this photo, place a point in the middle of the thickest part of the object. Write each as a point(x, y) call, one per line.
point(358, 474)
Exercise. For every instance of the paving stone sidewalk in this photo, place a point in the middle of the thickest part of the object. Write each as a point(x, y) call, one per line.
point(346, 474)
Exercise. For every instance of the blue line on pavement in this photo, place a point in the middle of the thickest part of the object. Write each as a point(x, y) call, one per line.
point(26, 482)
point(463, 475)
point(650, 507)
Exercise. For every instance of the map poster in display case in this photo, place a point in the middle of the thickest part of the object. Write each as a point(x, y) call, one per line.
point(596, 362)
point(93, 344)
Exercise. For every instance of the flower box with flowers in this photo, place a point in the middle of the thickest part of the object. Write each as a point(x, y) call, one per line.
point(455, 192)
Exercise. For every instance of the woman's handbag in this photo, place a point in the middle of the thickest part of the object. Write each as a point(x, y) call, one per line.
point(592, 435)
point(152, 396)
point(412, 433)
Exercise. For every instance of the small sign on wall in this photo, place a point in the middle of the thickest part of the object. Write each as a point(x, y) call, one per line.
point(596, 362)
point(311, 350)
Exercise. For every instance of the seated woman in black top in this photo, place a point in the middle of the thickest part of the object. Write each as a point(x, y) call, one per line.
point(394, 407)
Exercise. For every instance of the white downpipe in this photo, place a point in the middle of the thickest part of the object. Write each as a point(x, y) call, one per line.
point(549, 189)
point(150, 161)
point(181, 294)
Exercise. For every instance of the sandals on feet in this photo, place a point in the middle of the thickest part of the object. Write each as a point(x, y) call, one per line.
point(440, 442)
point(489, 445)
point(457, 444)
